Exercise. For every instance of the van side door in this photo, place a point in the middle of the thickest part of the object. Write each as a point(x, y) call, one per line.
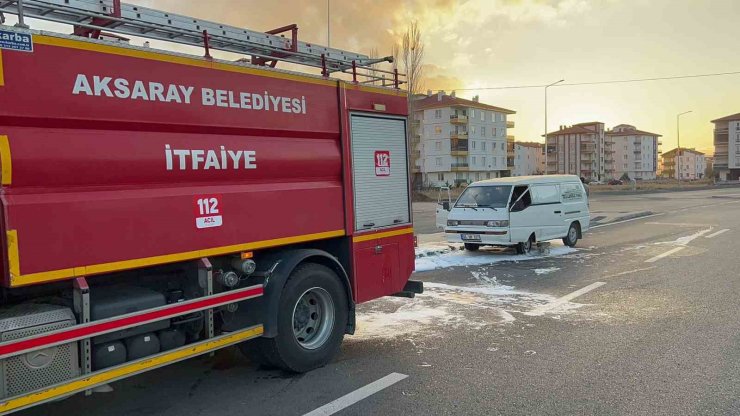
point(548, 210)
point(575, 207)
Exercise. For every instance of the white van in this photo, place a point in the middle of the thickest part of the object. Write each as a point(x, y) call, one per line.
point(517, 211)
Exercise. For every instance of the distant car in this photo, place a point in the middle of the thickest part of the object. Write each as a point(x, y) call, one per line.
point(616, 182)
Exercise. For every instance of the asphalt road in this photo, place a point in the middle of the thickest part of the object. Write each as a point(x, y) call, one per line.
point(608, 205)
point(641, 319)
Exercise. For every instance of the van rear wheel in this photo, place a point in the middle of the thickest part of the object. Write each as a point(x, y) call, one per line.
point(472, 247)
point(571, 238)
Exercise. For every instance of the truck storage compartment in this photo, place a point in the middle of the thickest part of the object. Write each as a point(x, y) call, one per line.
point(107, 302)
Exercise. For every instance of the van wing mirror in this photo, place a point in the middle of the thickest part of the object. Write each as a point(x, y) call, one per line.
point(446, 205)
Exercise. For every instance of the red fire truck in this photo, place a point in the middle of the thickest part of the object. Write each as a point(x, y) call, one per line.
point(158, 206)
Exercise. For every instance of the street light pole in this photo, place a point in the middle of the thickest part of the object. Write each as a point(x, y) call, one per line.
point(328, 23)
point(546, 143)
point(678, 139)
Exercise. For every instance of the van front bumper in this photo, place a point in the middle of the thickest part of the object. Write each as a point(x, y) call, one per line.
point(489, 236)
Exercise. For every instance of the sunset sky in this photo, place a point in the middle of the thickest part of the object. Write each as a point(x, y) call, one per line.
point(489, 43)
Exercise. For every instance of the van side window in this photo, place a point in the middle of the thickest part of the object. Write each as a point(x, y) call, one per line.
point(520, 202)
point(545, 194)
point(571, 192)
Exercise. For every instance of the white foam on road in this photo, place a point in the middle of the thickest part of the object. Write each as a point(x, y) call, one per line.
point(443, 306)
point(482, 257)
point(547, 270)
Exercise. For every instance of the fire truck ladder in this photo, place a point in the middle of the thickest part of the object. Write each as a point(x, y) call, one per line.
point(91, 17)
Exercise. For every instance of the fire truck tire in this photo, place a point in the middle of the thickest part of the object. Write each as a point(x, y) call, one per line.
point(311, 322)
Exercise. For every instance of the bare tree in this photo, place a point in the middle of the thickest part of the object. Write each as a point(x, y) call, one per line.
point(411, 52)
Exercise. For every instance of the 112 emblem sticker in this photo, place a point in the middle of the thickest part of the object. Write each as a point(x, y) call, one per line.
point(208, 211)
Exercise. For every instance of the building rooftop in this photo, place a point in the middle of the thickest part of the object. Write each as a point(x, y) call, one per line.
point(728, 118)
point(530, 144)
point(673, 151)
point(575, 129)
point(524, 180)
point(443, 100)
point(632, 132)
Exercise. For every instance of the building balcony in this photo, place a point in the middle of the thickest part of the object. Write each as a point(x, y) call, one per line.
point(725, 130)
point(510, 138)
point(460, 167)
point(552, 162)
point(588, 149)
point(510, 124)
point(458, 119)
point(459, 136)
point(416, 123)
point(638, 152)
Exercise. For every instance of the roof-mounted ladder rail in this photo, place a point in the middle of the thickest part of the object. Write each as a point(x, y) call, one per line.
point(91, 17)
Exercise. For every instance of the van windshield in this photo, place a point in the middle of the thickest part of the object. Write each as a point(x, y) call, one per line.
point(496, 196)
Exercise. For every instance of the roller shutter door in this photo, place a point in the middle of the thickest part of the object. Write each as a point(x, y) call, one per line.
point(381, 191)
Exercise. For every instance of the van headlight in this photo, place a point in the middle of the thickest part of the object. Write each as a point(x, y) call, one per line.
point(453, 223)
point(498, 223)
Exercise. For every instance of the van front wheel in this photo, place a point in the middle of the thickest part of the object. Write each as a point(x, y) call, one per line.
point(571, 238)
point(525, 247)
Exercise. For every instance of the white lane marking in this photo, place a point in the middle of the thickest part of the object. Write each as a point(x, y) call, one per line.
point(666, 254)
point(631, 219)
point(540, 310)
point(357, 395)
point(629, 272)
point(718, 233)
point(681, 224)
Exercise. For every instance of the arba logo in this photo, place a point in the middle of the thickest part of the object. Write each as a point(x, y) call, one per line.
point(16, 41)
point(15, 37)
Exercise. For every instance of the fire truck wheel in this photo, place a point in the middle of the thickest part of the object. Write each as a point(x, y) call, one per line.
point(311, 321)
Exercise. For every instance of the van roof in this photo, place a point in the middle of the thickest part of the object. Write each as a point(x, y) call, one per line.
point(524, 180)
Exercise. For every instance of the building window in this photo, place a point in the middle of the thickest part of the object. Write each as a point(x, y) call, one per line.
point(473, 144)
point(437, 130)
point(439, 161)
point(438, 146)
point(477, 176)
point(494, 162)
point(440, 176)
point(472, 113)
point(483, 133)
point(437, 113)
point(494, 131)
point(488, 175)
point(474, 161)
point(483, 161)
point(483, 145)
point(482, 115)
point(502, 146)
point(472, 130)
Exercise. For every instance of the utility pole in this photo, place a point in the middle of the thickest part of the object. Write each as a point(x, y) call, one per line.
point(328, 23)
point(546, 144)
point(678, 139)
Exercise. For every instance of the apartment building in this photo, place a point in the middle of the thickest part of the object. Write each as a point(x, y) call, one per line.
point(631, 151)
point(578, 150)
point(455, 140)
point(529, 159)
point(727, 148)
point(691, 164)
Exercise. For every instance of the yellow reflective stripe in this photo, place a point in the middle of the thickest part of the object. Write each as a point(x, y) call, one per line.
point(125, 370)
point(2, 73)
point(13, 261)
point(6, 174)
point(42, 277)
point(368, 237)
point(175, 59)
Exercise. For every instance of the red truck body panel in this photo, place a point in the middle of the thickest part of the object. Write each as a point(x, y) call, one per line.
point(93, 183)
